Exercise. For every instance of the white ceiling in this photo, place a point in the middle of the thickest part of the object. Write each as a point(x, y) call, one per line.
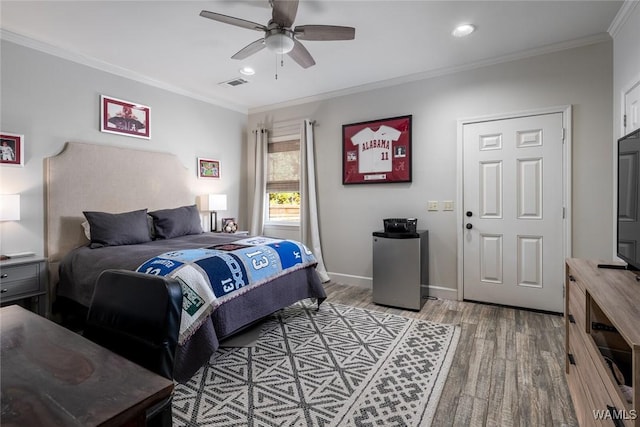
point(166, 43)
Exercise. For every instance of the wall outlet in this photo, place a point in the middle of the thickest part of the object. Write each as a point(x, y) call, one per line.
point(447, 205)
point(432, 205)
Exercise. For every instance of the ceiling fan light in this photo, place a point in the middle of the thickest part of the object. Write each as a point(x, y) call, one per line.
point(463, 30)
point(247, 71)
point(279, 43)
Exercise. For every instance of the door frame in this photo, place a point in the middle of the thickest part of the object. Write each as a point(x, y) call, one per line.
point(566, 111)
point(623, 110)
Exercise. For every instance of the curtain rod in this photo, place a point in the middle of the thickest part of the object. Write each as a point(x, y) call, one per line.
point(287, 124)
point(279, 126)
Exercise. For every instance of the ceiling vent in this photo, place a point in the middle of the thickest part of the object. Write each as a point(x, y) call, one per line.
point(234, 82)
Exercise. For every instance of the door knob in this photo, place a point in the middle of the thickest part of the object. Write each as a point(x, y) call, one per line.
point(469, 213)
point(469, 226)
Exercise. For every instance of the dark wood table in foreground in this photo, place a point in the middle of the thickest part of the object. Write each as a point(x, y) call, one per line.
point(52, 376)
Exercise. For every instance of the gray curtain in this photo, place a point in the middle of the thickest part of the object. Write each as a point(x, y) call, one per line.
point(309, 227)
point(261, 139)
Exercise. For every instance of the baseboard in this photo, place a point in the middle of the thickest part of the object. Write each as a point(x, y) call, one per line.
point(363, 282)
point(435, 291)
point(443, 293)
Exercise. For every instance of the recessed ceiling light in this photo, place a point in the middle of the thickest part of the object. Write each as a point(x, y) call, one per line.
point(247, 71)
point(463, 30)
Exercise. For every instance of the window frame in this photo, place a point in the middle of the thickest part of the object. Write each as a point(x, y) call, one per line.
point(266, 218)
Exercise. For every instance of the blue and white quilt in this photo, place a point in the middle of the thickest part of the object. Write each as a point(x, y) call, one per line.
point(209, 276)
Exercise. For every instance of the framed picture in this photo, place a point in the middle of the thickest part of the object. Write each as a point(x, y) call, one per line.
point(124, 117)
point(12, 149)
point(377, 151)
point(208, 168)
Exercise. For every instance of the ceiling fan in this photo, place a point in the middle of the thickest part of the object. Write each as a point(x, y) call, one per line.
point(280, 37)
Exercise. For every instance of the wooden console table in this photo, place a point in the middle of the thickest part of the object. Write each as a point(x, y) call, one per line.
point(52, 376)
point(602, 317)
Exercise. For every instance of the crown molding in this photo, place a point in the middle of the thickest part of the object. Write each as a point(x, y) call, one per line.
point(621, 17)
point(571, 44)
point(112, 69)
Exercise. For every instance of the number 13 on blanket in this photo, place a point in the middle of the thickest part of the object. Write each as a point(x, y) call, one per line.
point(258, 259)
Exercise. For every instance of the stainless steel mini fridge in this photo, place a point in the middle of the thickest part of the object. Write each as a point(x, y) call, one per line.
point(401, 269)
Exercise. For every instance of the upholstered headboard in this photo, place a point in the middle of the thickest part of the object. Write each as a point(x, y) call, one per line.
point(91, 177)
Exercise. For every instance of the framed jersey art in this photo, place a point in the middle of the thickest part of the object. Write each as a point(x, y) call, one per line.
point(377, 151)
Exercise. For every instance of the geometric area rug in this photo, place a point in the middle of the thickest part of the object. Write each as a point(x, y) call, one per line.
point(337, 366)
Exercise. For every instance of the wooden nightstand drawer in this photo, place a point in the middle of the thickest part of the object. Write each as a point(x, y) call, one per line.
point(17, 273)
point(24, 280)
point(18, 287)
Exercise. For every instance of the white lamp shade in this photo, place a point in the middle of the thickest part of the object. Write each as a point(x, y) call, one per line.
point(213, 202)
point(9, 207)
point(279, 43)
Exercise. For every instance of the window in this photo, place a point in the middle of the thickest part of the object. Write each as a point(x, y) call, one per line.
point(283, 180)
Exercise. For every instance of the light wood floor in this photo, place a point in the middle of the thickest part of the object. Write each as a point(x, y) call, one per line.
point(508, 368)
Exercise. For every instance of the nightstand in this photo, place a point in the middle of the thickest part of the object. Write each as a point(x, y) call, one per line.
point(236, 233)
point(24, 279)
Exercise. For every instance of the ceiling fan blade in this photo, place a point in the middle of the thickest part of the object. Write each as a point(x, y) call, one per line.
point(284, 12)
point(250, 49)
point(233, 21)
point(324, 32)
point(301, 55)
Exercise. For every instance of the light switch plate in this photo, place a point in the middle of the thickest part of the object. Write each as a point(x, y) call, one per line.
point(447, 205)
point(432, 205)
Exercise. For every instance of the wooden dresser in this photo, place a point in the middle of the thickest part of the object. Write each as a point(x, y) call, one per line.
point(602, 317)
point(54, 377)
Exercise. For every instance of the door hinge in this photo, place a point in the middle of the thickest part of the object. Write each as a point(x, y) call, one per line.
point(564, 212)
point(624, 121)
point(564, 134)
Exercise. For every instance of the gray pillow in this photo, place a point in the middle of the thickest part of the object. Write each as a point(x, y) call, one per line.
point(176, 222)
point(127, 228)
point(86, 228)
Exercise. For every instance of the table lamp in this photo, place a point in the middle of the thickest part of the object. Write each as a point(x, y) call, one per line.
point(9, 210)
point(213, 203)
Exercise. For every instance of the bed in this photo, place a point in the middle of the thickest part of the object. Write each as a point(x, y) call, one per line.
point(98, 179)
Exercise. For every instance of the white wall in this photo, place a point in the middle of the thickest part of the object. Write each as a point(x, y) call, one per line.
point(51, 100)
point(581, 77)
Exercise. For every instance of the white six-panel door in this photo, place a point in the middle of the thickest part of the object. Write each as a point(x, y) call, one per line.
point(513, 212)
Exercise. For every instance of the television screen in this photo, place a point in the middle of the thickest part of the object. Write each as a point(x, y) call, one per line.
point(628, 234)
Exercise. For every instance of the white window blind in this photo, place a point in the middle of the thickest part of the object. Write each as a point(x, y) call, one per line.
point(283, 170)
point(283, 179)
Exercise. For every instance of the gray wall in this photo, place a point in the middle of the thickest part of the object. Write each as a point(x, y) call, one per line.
point(581, 77)
point(51, 100)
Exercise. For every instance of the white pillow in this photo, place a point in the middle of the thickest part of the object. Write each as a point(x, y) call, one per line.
point(87, 229)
